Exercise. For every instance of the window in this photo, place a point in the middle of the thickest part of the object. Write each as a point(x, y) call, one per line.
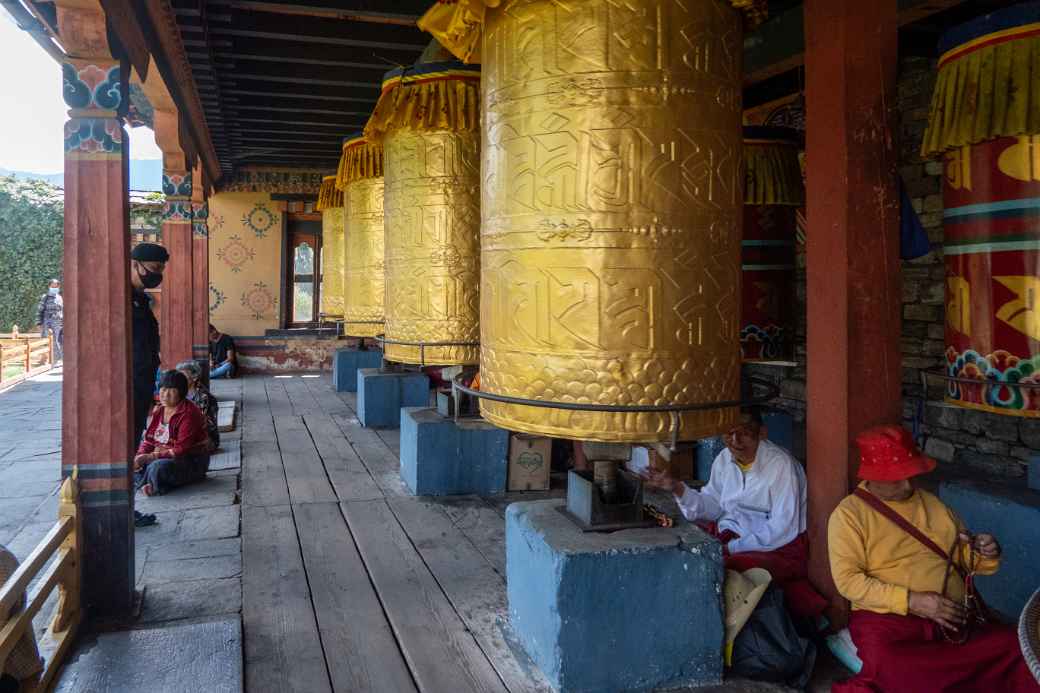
point(303, 272)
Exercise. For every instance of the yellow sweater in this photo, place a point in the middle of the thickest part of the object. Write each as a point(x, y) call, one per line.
point(876, 564)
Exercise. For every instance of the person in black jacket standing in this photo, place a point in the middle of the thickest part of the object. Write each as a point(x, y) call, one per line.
point(147, 264)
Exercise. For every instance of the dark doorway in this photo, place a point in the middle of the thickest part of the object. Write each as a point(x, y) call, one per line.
point(303, 272)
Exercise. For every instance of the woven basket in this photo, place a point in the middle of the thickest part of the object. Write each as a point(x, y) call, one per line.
point(1029, 634)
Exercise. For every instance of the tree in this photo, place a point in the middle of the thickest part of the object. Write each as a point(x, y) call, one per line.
point(32, 231)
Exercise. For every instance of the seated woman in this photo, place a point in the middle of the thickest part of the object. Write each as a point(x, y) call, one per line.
point(174, 449)
point(201, 397)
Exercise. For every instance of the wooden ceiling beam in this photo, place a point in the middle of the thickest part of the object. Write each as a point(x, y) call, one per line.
point(282, 59)
point(348, 14)
point(298, 95)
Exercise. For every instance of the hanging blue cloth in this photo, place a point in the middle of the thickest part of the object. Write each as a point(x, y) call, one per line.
point(913, 239)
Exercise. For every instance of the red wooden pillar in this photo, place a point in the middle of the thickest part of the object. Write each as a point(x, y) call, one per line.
point(96, 410)
point(853, 275)
point(200, 265)
point(176, 323)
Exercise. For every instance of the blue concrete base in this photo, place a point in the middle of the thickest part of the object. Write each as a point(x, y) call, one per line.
point(381, 395)
point(1012, 515)
point(1033, 473)
point(345, 365)
point(442, 458)
point(633, 610)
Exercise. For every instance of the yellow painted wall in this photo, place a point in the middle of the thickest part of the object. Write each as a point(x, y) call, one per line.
point(245, 248)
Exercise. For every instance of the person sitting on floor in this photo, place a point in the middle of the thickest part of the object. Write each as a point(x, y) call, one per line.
point(755, 504)
point(200, 396)
point(23, 662)
point(174, 449)
point(890, 554)
point(223, 361)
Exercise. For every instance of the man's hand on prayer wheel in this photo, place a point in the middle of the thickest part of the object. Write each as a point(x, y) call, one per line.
point(985, 544)
point(935, 607)
point(661, 479)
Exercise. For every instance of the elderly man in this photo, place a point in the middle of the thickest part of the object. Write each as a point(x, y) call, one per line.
point(755, 504)
point(906, 563)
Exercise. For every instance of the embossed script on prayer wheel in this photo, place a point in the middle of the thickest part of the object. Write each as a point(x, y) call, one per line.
point(361, 177)
point(427, 120)
point(611, 215)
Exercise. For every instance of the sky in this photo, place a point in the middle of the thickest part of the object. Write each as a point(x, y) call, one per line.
point(33, 117)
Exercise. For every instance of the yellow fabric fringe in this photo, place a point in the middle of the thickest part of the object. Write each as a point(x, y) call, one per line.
point(984, 93)
point(329, 196)
point(425, 103)
point(772, 175)
point(457, 24)
point(361, 159)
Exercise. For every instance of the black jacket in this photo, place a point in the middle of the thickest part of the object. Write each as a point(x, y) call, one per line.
point(145, 345)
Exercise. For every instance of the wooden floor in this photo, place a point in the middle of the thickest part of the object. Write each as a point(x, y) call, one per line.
point(350, 584)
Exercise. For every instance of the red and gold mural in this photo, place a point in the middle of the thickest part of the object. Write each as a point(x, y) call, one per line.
point(992, 226)
point(984, 122)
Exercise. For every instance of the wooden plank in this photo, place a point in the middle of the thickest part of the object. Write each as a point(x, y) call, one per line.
point(392, 438)
point(277, 397)
point(474, 587)
point(300, 396)
point(257, 421)
point(304, 471)
point(263, 477)
point(483, 525)
point(384, 466)
point(355, 432)
point(226, 417)
point(282, 646)
point(328, 400)
point(439, 649)
point(364, 655)
point(349, 477)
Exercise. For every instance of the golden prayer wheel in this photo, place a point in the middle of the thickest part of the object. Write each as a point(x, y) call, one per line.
point(330, 204)
point(428, 121)
point(360, 177)
point(610, 265)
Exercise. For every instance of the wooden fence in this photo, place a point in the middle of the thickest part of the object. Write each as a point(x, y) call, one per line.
point(32, 354)
point(64, 572)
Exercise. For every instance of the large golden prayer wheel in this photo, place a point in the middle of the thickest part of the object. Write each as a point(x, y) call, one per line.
point(330, 204)
point(360, 177)
point(610, 265)
point(428, 121)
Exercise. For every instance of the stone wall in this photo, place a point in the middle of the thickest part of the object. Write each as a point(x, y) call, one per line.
point(992, 444)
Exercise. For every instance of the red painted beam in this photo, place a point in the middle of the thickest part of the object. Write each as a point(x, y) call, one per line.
point(177, 323)
point(853, 276)
point(96, 407)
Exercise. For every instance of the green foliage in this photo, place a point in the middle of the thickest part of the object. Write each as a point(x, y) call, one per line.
point(31, 245)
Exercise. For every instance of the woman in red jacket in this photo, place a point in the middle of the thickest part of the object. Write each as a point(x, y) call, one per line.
point(174, 448)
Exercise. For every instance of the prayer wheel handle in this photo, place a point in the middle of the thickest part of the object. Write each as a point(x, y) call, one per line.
point(769, 392)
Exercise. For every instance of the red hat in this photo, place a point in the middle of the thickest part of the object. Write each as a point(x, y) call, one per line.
point(888, 453)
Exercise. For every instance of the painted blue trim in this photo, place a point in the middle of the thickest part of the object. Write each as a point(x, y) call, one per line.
point(1008, 18)
point(763, 243)
point(989, 208)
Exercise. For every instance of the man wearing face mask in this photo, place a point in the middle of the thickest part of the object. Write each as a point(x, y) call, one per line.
point(50, 316)
point(147, 263)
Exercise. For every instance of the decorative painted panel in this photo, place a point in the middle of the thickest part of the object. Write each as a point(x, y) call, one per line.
point(244, 266)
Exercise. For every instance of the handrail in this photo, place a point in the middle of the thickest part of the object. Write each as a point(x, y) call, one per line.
point(63, 544)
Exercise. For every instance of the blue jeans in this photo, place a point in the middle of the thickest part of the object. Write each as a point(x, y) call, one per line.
point(224, 370)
